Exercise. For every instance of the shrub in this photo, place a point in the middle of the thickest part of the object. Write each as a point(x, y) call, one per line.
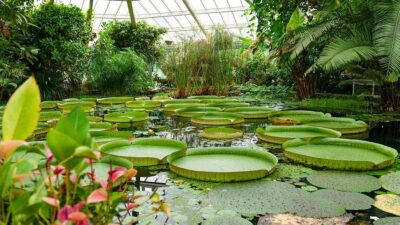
point(119, 72)
point(62, 35)
point(144, 39)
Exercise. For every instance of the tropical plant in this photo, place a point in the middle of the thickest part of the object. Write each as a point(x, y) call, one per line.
point(15, 55)
point(359, 37)
point(144, 38)
point(202, 67)
point(120, 72)
point(63, 183)
point(62, 35)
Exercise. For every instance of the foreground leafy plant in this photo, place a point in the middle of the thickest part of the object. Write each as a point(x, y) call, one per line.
point(47, 185)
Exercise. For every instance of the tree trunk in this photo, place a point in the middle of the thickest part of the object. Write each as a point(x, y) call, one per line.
point(390, 96)
point(304, 84)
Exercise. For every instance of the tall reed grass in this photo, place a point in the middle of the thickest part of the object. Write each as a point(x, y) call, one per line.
point(203, 67)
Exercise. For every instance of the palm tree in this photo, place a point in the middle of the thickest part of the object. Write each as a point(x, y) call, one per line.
point(371, 42)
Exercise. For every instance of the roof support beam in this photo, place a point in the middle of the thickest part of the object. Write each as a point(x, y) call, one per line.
point(131, 13)
point(194, 15)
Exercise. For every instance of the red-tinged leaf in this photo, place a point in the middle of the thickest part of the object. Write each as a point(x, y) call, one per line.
point(99, 195)
point(137, 196)
point(77, 217)
point(116, 173)
point(8, 147)
point(103, 183)
point(129, 174)
point(51, 201)
point(132, 205)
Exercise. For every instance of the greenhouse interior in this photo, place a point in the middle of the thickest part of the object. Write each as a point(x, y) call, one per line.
point(189, 112)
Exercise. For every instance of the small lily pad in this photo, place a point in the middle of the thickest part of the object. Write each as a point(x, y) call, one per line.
point(344, 181)
point(389, 203)
point(391, 182)
point(388, 221)
point(227, 220)
point(349, 200)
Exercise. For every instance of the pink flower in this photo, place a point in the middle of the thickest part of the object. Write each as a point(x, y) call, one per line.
point(99, 195)
point(116, 173)
point(72, 214)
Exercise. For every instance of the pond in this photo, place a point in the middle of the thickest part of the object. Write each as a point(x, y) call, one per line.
point(190, 199)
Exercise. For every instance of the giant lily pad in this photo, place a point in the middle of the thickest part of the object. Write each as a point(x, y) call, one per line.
point(180, 101)
point(251, 112)
point(221, 133)
point(343, 125)
point(114, 100)
point(173, 107)
point(49, 115)
point(226, 105)
point(102, 137)
point(191, 111)
point(290, 117)
point(272, 197)
point(101, 126)
point(344, 181)
point(224, 164)
point(48, 105)
point(341, 154)
point(126, 117)
point(349, 200)
point(280, 134)
point(391, 182)
point(217, 118)
point(142, 98)
point(70, 105)
point(144, 151)
point(389, 203)
point(146, 104)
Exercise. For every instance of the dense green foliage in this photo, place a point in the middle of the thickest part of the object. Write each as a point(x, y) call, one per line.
point(15, 55)
point(62, 35)
point(144, 39)
point(121, 72)
point(311, 38)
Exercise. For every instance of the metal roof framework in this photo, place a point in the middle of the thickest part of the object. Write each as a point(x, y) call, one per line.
point(182, 18)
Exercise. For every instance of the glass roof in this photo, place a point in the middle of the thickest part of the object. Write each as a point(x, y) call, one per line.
point(174, 15)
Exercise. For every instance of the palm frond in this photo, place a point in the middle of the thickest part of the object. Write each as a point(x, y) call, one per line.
point(343, 52)
point(304, 39)
point(387, 35)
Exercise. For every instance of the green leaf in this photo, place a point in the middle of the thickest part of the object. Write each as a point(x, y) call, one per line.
point(296, 20)
point(70, 133)
point(84, 152)
point(22, 112)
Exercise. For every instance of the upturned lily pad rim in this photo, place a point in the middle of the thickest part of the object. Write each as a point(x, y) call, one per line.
point(143, 104)
point(173, 107)
point(114, 100)
point(191, 111)
point(350, 164)
point(267, 133)
point(180, 147)
point(350, 126)
point(223, 176)
point(283, 117)
point(126, 117)
point(252, 112)
point(217, 118)
point(221, 133)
